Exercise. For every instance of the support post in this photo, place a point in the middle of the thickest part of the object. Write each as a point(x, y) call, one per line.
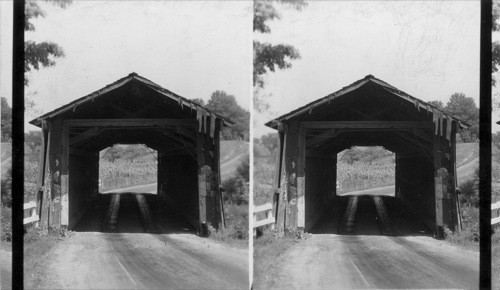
point(201, 184)
point(301, 180)
point(65, 177)
point(291, 170)
point(55, 158)
point(438, 190)
point(281, 208)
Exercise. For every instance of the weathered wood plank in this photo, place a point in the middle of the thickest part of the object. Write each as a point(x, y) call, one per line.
point(282, 196)
point(291, 169)
point(130, 122)
point(301, 179)
point(83, 136)
point(65, 177)
point(438, 193)
point(367, 124)
point(55, 170)
point(45, 198)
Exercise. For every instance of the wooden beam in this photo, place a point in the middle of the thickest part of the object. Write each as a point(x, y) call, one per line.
point(301, 180)
point(367, 124)
point(317, 140)
point(84, 135)
point(421, 134)
point(130, 123)
point(77, 151)
point(121, 110)
point(414, 143)
point(65, 177)
point(187, 133)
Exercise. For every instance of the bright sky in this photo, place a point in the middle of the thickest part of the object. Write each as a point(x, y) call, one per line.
point(427, 49)
point(190, 48)
point(6, 50)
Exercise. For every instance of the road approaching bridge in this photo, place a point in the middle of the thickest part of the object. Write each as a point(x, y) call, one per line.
point(364, 242)
point(130, 239)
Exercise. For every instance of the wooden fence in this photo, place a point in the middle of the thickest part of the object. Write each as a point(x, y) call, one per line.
point(495, 213)
point(268, 209)
point(30, 213)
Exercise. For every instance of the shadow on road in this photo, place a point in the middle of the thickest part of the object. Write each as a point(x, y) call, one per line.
point(129, 219)
point(399, 220)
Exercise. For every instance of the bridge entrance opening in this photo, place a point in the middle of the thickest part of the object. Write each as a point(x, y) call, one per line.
point(128, 168)
point(366, 171)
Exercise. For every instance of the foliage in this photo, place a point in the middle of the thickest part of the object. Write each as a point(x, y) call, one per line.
point(33, 142)
point(469, 235)
point(465, 109)
point(469, 193)
point(495, 45)
point(266, 56)
point(236, 189)
point(39, 54)
point(236, 224)
point(6, 190)
point(199, 101)
point(437, 104)
point(270, 141)
point(225, 105)
point(495, 258)
point(6, 220)
point(6, 121)
point(123, 166)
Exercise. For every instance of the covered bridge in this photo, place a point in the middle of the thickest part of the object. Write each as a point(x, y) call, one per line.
point(132, 110)
point(368, 112)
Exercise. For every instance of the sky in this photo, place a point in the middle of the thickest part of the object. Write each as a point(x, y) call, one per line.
point(190, 48)
point(427, 49)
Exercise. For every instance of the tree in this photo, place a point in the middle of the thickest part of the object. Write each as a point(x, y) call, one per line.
point(33, 142)
point(495, 27)
point(39, 54)
point(199, 101)
point(437, 104)
point(266, 56)
point(270, 141)
point(225, 105)
point(6, 121)
point(465, 109)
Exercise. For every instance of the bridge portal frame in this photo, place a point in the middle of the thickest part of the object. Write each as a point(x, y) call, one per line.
point(424, 141)
point(188, 145)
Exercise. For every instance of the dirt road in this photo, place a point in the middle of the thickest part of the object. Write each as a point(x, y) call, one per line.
point(171, 256)
point(366, 247)
point(5, 269)
point(339, 262)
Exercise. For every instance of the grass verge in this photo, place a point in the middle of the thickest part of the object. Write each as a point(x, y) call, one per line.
point(269, 250)
point(495, 259)
point(236, 231)
point(38, 244)
point(469, 236)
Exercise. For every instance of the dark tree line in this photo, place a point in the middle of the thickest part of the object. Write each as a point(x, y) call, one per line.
point(465, 109)
point(225, 105)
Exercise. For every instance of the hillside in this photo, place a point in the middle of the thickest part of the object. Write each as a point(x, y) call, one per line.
point(232, 154)
point(6, 157)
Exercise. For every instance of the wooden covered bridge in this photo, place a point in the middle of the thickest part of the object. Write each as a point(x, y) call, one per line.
point(132, 110)
point(368, 112)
